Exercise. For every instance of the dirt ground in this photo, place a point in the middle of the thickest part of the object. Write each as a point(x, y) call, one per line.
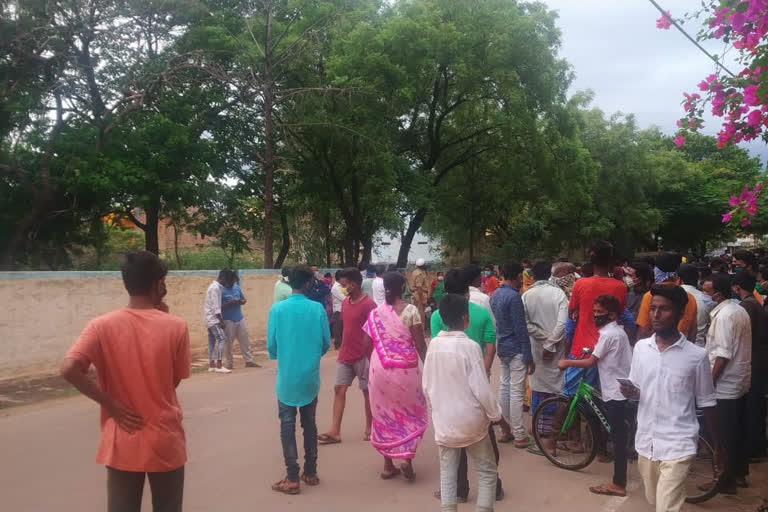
point(234, 453)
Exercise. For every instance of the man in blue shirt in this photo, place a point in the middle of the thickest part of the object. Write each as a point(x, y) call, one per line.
point(297, 337)
point(514, 349)
point(232, 302)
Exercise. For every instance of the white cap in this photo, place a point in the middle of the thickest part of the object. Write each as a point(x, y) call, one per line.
point(420, 262)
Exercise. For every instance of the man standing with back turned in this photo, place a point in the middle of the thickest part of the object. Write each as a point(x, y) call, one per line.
point(141, 354)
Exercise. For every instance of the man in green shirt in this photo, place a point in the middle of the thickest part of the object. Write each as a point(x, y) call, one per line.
point(282, 288)
point(480, 328)
point(482, 332)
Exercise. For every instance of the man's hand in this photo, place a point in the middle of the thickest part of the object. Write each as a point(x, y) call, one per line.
point(242, 302)
point(531, 368)
point(630, 392)
point(547, 355)
point(126, 418)
point(562, 364)
point(505, 428)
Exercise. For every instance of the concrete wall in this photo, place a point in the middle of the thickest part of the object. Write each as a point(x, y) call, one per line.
point(44, 312)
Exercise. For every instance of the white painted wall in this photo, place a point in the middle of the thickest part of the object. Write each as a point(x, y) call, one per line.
point(388, 247)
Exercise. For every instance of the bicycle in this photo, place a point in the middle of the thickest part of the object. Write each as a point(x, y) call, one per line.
point(570, 430)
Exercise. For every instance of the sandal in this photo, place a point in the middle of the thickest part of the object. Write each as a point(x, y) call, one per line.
point(606, 491)
point(388, 475)
point(310, 480)
point(523, 443)
point(408, 473)
point(326, 439)
point(285, 486)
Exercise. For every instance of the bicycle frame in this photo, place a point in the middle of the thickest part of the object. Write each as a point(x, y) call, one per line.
point(584, 392)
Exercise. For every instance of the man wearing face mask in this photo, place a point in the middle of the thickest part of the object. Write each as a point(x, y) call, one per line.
point(639, 278)
point(745, 261)
point(141, 354)
point(729, 346)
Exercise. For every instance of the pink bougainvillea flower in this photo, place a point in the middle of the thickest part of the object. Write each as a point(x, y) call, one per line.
point(752, 210)
point(750, 95)
point(664, 22)
point(727, 218)
point(679, 141)
point(745, 222)
point(733, 202)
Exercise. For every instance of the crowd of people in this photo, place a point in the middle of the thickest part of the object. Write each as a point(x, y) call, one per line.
point(663, 338)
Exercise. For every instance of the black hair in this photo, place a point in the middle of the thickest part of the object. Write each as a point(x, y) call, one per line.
point(602, 253)
point(227, 275)
point(370, 269)
point(352, 274)
point(141, 270)
point(472, 272)
point(721, 282)
point(394, 283)
point(336, 276)
point(643, 271)
point(455, 281)
point(609, 302)
point(745, 281)
point(542, 270)
point(299, 277)
point(285, 272)
point(718, 265)
point(676, 294)
point(381, 269)
point(453, 309)
point(689, 274)
point(511, 269)
point(587, 270)
point(747, 257)
point(525, 261)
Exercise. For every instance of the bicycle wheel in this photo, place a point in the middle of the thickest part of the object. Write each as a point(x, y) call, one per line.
point(573, 448)
point(701, 484)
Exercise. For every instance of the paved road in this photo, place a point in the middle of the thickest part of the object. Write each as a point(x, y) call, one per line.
point(47, 452)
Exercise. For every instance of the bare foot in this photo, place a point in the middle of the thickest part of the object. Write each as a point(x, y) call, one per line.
point(609, 489)
point(407, 469)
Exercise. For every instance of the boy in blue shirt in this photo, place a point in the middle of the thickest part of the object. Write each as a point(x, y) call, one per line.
point(297, 337)
point(232, 301)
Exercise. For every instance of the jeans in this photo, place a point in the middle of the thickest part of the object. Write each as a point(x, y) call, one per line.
point(216, 336)
point(237, 330)
point(462, 479)
point(124, 490)
point(512, 393)
point(483, 457)
point(287, 415)
point(617, 418)
point(731, 423)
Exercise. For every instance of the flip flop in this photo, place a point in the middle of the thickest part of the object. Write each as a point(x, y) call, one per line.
point(535, 450)
point(604, 491)
point(520, 446)
point(389, 475)
point(326, 439)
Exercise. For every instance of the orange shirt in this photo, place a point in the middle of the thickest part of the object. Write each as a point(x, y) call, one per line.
point(686, 323)
point(491, 285)
point(138, 354)
point(758, 297)
point(585, 291)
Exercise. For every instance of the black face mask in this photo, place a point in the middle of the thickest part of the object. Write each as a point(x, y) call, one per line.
point(601, 320)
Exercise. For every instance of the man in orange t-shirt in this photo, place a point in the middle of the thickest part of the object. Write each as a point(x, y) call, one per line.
point(665, 273)
point(140, 353)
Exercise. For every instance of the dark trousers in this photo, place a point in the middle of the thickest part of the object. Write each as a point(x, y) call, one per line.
point(731, 423)
point(462, 481)
point(287, 415)
point(617, 418)
point(756, 413)
point(124, 490)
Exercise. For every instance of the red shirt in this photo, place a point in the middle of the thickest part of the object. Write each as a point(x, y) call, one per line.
point(353, 318)
point(585, 291)
point(138, 354)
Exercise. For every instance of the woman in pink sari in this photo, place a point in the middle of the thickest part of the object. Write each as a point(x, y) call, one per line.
point(399, 408)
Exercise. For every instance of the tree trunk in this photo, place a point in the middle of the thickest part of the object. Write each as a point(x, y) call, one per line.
point(405, 243)
point(176, 244)
point(348, 246)
point(269, 140)
point(327, 226)
point(28, 223)
point(367, 251)
point(151, 240)
point(286, 240)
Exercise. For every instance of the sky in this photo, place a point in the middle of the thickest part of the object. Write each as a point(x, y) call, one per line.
point(616, 50)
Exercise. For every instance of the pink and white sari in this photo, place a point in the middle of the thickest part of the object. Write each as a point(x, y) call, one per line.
point(399, 408)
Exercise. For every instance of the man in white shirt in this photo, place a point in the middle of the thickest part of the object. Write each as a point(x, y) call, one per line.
point(672, 377)
point(729, 346)
point(474, 276)
point(337, 298)
point(704, 305)
point(378, 285)
point(462, 405)
point(217, 339)
point(546, 312)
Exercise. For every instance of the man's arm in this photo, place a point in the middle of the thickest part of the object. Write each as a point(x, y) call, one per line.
point(74, 372)
point(589, 362)
point(272, 334)
point(558, 333)
point(521, 331)
point(489, 341)
point(644, 328)
point(718, 367)
point(326, 330)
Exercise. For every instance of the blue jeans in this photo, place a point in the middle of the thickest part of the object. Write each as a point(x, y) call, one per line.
point(216, 336)
point(512, 393)
point(287, 414)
